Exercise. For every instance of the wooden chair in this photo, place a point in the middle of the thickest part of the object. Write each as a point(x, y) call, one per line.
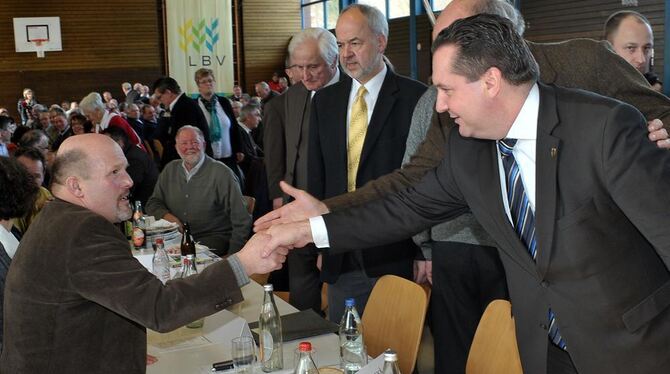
point(393, 318)
point(494, 348)
point(158, 147)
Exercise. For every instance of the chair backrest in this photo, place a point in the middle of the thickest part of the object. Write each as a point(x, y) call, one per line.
point(393, 318)
point(494, 348)
point(158, 147)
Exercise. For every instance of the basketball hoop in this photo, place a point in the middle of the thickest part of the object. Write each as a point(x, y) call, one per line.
point(39, 46)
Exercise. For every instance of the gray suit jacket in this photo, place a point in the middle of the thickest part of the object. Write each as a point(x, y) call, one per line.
point(603, 247)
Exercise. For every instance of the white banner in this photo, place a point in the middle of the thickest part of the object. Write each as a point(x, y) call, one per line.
point(200, 35)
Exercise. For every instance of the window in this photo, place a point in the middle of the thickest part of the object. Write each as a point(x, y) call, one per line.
point(438, 5)
point(320, 13)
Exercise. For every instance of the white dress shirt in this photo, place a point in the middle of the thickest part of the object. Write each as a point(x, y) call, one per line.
point(373, 86)
point(8, 241)
point(223, 147)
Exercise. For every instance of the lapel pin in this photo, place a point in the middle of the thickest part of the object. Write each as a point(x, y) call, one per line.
point(554, 152)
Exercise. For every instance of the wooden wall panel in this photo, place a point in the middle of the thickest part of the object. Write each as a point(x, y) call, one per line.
point(550, 20)
point(104, 44)
point(398, 47)
point(267, 28)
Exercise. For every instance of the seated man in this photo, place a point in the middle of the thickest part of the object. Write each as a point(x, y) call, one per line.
point(203, 192)
point(77, 300)
point(33, 161)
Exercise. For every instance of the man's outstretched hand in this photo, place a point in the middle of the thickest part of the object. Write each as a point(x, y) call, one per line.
point(303, 207)
point(256, 261)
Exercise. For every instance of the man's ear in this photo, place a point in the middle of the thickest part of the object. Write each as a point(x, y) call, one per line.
point(72, 185)
point(492, 81)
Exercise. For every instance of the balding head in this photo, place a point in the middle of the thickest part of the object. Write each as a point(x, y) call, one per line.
point(459, 9)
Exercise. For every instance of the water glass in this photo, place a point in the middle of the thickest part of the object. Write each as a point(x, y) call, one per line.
point(244, 354)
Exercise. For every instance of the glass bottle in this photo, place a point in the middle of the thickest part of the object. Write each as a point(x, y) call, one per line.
point(390, 362)
point(272, 356)
point(305, 363)
point(188, 269)
point(352, 349)
point(187, 242)
point(160, 262)
point(139, 226)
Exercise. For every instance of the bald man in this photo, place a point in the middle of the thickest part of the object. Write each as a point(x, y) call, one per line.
point(77, 300)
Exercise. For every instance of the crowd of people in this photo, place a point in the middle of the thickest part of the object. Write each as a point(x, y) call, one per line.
point(355, 169)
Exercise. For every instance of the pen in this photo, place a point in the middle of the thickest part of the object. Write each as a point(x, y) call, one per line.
point(223, 365)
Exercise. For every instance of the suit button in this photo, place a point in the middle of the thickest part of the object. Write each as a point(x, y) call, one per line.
point(545, 284)
point(543, 326)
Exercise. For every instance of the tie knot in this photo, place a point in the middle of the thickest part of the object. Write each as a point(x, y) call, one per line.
point(361, 92)
point(506, 146)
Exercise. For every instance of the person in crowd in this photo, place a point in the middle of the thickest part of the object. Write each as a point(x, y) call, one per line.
point(223, 133)
point(245, 99)
point(237, 93)
point(5, 135)
point(145, 94)
point(40, 117)
point(203, 192)
point(549, 238)
point(59, 122)
point(283, 84)
point(107, 96)
point(33, 160)
point(141, 167)
point(132, 112)
point(237, 107)
point(313, 53)
point(4, 112)
point(80, 124)
point(130, 93)
point(266, 94)
point(95, 111)
point(632, 38)
point(25, 105)
point(251, 162)
point(35, 139)
point(374, 107)
point(274, 82)
point(65, 105)
point(78, 297)
point(182, 111)
point(18, 192)
point(149, 119)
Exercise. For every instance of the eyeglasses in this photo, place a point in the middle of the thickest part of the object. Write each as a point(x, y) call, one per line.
point(206, 81)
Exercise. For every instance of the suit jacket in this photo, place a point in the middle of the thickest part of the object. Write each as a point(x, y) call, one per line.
point(603, 254)
point(184, 112)
point(234, 133)
point(382, 152)
point(252, 152)
point(285, 137)
point(85, 309)
point(577, 63)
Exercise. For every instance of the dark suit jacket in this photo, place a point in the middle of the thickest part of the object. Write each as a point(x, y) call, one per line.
point(577, 63)
point(184, 112)
point(234, 132)
point(61, 138)
point(383, 150)
point(78, 302)
point(142, 171)
point(603, 254)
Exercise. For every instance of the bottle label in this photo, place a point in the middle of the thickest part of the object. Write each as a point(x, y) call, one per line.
point(267, 343)
point(138, 237)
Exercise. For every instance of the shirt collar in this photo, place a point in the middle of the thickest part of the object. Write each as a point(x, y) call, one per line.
point(244, 127)
point(525, 124)
point(175, 101)
point(8, 241)
point(373, 86)
point(195, 169)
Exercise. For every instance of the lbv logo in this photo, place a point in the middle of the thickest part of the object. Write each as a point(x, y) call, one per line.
point(198, 41)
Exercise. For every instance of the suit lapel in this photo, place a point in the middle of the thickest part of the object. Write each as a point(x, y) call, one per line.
point(380, 113)
point(339, 128)
point(546, 161)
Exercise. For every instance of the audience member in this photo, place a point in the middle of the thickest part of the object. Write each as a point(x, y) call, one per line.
point(130, 93)
point(141, 167)
point(107, 96)
point(283, 84)
point(25, 106)
point(95, 111)
point(249, 118)
point(274, 82)
point(237, 107)
point(149, 119)
point(237, 93)
point(4, 112)
point(132, 112)
point(80, 124)
point(58, 120)
point(85, 291)
point(203, 192)
point(265, 93)
point(33, 160)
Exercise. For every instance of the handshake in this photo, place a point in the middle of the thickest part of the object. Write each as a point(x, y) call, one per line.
point(281, 230)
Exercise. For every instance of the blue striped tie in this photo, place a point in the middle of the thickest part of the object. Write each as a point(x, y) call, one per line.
point(523, 218)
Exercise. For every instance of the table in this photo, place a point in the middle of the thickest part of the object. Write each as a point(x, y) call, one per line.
point(199, 359)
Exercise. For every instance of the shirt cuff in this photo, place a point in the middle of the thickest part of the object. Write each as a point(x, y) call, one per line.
point(240, 275)
point(319, 232)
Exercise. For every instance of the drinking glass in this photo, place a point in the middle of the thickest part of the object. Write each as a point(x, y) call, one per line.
point(244, 354)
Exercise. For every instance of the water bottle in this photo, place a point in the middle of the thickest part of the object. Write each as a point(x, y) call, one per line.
point(188, 269)
point(269, 323)
point(161, 262)
point(305, 363)
point(390, 362)
point(352, 349)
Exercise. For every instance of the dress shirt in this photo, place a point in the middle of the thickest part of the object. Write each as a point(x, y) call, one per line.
point(8, 241)
point(524, 128)
point(221, 148)
point(195, 169)
point(4, 152)
point(373, 86)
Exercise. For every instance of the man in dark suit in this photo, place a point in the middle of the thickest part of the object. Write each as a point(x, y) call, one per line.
point(357, 131)
point(218, 112)
point(313, 52)
point(181, 110)
point(587, 265)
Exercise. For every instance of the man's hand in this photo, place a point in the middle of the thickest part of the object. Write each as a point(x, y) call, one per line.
point(304, 206)
point(277, 203)
point(255, 261)
point(288, 235)
point(423, 271)
point(172, 218)
point(658, 134)
point(151, 359)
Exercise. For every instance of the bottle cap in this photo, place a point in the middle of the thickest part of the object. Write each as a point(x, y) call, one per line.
point(268, 287)
point(390, 355)
point(305, 347)
point(159, 241)
point(350, 302)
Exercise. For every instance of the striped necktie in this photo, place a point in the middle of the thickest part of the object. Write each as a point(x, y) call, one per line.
point(524, 218)
point(358, 127)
